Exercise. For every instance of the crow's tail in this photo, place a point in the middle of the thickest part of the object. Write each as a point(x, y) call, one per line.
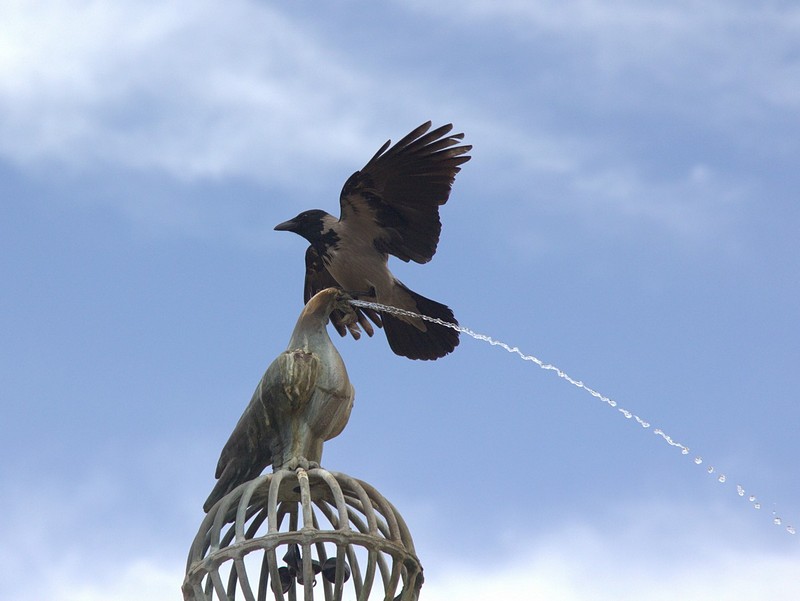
point(408, 340)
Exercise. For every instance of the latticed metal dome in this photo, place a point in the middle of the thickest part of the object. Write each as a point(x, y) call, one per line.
point(310, 534)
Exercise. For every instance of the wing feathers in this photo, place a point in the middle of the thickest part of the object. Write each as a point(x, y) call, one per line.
point(395, 198)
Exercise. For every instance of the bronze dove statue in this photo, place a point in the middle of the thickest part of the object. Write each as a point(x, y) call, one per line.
point(303, 399)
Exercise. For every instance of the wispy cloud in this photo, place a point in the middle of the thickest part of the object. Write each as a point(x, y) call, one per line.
point(688, 205)
point(189, 88)
point(653, 553)
point(198, 91)
point(642, 116)
point(97, 533)
point(125, 581)
point(729, 48)
point(583, 567)
point(594, 183)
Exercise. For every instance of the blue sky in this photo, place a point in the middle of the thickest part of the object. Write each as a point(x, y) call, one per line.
point(629, 214)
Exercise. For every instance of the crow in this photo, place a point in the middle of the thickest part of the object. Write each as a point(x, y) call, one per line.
point(304, 398)
point(390, 207)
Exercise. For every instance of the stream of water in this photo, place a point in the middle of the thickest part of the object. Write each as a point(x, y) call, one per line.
point(684, 450)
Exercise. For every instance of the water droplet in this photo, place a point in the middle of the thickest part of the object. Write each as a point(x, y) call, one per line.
point(579, 383)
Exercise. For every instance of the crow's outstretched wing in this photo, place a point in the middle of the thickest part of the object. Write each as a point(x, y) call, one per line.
point(318, 278)
point(394, 200)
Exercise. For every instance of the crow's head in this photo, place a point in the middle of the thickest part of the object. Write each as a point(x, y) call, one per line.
point(308, 224)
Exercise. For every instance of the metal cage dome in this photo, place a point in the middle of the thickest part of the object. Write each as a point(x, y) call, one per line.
point(303, 534)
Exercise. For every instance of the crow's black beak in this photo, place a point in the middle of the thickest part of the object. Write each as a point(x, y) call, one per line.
point(286, 226)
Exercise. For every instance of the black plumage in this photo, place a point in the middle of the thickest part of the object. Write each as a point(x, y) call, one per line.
point(390, 207)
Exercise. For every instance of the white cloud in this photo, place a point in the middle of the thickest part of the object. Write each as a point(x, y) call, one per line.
point(652, 554)
point(129, 580)
point(598, 189)
point(204, 90)
point(655, 552)
point(688, 206)
point(584, 567)
point(191, 88)
point(86, 536)
point(730, 54)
